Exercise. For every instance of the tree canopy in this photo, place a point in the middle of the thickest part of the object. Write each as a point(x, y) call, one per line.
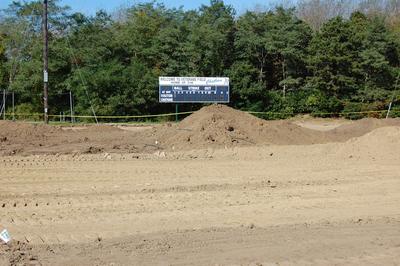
point(282, 60)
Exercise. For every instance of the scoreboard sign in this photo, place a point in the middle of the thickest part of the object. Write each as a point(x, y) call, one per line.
point(193, 90)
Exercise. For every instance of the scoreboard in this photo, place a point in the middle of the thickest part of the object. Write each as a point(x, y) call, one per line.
point(193, 90)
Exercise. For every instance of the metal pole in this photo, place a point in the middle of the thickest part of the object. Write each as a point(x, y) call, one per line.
point(45, 63)
point(73, 109)
point(4, 104)
point(70, 107)
point(13, 106)
point(176, 113)
point(389, 109)
point(1, 108)
point(94, 113)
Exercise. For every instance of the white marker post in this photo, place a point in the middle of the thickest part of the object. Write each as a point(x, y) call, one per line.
point(5, 236)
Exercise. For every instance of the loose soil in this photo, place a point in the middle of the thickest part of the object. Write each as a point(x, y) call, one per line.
point(215, 126)
point(220, 188)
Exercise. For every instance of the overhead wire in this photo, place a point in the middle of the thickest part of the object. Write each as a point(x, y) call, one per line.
point(82, 79)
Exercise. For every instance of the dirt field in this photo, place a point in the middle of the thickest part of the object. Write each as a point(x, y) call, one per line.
point(250, 192)
point(215, 126)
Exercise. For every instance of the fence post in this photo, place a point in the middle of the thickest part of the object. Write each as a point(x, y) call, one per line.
point(13, 105)
point(176, 113)
point(71, 107)
point(4, 104)
point(389, 109)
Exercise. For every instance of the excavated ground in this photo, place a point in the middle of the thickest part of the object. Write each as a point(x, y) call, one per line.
point(215, 126)
point(220, 188)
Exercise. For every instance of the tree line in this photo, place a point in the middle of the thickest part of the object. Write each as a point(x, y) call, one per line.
point(320, 56)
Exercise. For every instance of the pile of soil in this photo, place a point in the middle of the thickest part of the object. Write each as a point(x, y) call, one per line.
point(19, 138)
point(24, 131)
point(359, 128)
point(222, 126)
point(15, 137)
point(214, 126)
point(382, 142)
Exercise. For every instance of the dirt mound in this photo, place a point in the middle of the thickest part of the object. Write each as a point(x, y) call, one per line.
point(15, 137)
point(360, 127)
point(26, 138)
point(389, 136)
point(381, 142)
point(220, 125)
point(214, 126)
point(384, 139)
point(25, 131)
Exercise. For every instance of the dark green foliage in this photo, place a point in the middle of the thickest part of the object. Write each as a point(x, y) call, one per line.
point(3, 61)
point(270, 53)
point(332, 60)
point(276, 63)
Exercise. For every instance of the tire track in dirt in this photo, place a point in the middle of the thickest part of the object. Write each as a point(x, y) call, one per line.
point(344, 243)
point(106, 197)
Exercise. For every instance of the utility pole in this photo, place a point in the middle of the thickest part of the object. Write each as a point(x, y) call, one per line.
point(45, 63)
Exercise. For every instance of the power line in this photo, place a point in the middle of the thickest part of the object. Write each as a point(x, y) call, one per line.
point(81, 77)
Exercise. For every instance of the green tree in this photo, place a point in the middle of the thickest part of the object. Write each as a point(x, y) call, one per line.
point(333, 60)
point(270, 53)
point(21, 28)
point(378, 57)
point(3, 63)
point(274, 60)
point(210, 45)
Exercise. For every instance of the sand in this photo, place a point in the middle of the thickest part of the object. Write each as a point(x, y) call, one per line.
point(332, 199)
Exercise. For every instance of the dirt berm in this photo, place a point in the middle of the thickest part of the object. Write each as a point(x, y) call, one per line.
point(219, 125)
point(214, 126)
point(222, 126)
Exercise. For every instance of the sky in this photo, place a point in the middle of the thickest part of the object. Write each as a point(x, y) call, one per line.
point(90, 7)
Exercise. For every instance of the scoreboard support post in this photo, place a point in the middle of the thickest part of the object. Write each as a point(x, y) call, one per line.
point(176, 112)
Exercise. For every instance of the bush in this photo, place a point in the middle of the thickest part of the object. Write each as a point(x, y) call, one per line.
point(395, 111)
point(350, 108)
point(356, 110)
point(322, 105)
point(27, 111)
